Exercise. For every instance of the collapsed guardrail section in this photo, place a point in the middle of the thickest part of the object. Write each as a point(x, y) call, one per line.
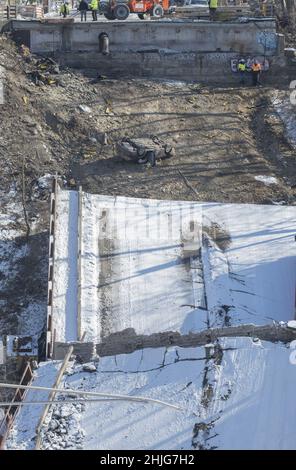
point(13, 409)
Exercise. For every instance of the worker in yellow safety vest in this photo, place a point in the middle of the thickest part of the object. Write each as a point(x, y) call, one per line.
point(213, 5)
point(94, 6)
point(65, 9)
point(242, 68)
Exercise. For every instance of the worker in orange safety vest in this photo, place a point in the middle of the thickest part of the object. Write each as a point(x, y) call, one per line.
point(256, 72)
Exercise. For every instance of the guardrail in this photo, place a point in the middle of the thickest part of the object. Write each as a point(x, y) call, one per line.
point(7, 12)
point(12, 411)
point(32, 11)
point(222, 11)
point(51, 262)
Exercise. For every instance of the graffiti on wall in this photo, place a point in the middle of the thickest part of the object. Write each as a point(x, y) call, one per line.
point(268, 40)
point(249, 62)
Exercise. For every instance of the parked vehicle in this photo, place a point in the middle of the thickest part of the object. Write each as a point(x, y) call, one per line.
point(121, 9)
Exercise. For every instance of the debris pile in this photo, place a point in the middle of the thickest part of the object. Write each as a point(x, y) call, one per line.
point(62, 430)
point(41, 71)
point(41, 187)
point(144, 150)
point(45, 72)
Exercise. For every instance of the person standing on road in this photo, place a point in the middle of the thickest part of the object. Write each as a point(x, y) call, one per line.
point(65, 10)
point(256, 72)
point(213, 5)
point(94, 6)
point(242, 67)
point(83, 7)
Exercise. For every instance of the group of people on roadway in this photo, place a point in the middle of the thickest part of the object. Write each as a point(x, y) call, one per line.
point(83, 7)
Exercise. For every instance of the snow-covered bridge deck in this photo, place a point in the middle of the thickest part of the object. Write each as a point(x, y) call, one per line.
point(244, 400)
point(157, 266)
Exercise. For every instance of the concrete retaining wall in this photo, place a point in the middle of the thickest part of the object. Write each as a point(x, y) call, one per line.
point(198, 50)
point(255, 37)
point(203, 67)
point(3, 25)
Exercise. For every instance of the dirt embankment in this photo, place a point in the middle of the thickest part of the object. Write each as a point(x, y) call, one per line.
point(220, 135)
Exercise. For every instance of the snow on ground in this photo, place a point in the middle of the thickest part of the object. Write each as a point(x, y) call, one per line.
point(31, 319)
point(249, 407)
point(11, 215)
point(256, 282)
point(138, 271)
point(267, 180)
point(22, 435)
point(239, 398)
point(13, 248)
point(286, 111)
point(260, 412)
point(23, 317)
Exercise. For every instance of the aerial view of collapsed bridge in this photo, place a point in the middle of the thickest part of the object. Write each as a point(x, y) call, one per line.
point(147, 225)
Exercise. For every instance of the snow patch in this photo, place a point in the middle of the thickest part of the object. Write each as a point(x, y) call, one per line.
point(267, 180)
point(286, 111)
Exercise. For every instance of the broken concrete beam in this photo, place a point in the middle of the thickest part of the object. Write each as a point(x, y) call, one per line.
point(127, 341)
point(84, 352)
point(191, 248)
point(292, 324)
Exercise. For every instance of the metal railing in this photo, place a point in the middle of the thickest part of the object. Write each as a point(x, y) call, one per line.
point(8, 12)
point(12, 410)
point(51, 264)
